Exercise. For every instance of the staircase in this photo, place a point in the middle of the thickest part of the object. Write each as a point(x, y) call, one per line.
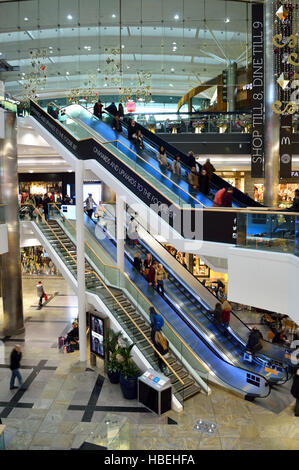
point(116, 300)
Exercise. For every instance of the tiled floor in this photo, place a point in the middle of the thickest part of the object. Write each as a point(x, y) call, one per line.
point(65, 404)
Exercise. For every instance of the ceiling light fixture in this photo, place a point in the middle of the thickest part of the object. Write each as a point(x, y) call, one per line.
point(172, 69)
point(67, 73)
point(122, 46)
point(170, 84)
point(69, 17)
point(25, 19)
point(176, 17)
point(113, 15)
point(227, 20)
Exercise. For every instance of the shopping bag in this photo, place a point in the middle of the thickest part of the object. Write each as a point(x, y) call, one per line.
point(46, 297)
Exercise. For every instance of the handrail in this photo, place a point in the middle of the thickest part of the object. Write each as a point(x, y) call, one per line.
point(139, 291)
point(121, 143)
point(115, 299)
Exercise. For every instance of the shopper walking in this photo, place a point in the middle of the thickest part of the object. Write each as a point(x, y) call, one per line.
point(137, 262)
point(99, 213)
point(191, 160)
point(227, 200)
point(151, 277)
point(209, 168)
point(132, 231)
point(218, 313)
point(121, 112)
point(160, 275)
point(139, 145)
point(40, 293)
point(161, 344)
point(218, 199)
point(147, 264)
point(98, 109)
point(255, 339)
point(132, 129)
point(162, 158)
point(15, 363)
point(89, 203)
point(295, 392)
point(193, 178)
point(226, 309)
point(112, 109)
point(116, 124)
point(46, 202)
point(156, 321)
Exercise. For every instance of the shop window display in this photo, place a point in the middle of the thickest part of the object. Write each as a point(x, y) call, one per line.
point(35, 261)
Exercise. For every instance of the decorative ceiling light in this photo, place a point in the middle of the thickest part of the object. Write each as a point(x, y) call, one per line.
point(176, 17)
point(170, 84)
point(113, 15)
point(37, 77)
point(227, 20)
point(282, 82)
point(25, 19)
point(172, 69)
point(122, 46)
point(67, 73)
point(69, 17)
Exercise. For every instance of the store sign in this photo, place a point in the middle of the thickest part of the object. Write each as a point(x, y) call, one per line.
point(257, 134)
point(189, 222)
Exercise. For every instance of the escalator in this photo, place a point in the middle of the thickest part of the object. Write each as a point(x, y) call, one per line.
point(124, 310)
point(193, 309)
point(152, 142)
point(222, 365)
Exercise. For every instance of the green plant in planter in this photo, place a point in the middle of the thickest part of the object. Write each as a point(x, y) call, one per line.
point(113, 364)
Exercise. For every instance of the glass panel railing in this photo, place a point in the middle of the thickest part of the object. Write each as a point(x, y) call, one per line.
point(269, 231)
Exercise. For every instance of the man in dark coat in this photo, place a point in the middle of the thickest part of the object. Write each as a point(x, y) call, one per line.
point(295, 392)
point(254, 340)
point(15, 359)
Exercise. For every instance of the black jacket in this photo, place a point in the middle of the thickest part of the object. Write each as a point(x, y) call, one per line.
point(295, 387)
point(137, 263)
point(112, 109)
point(253, 339)
point(204, 184)
point(15, 359)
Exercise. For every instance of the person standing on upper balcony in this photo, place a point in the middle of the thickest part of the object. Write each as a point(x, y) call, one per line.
point(209, 168)
point(98, 109)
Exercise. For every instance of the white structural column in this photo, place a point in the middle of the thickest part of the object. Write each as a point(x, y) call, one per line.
point(80, 258)
point(120, 231)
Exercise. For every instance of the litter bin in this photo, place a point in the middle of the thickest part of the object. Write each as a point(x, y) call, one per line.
point(155, 391)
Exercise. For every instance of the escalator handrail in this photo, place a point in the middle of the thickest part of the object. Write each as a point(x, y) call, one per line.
point(124, 145)
point(114, 298)
point(283, 365)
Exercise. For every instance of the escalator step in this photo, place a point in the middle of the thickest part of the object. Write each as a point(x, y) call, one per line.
point(191, 391)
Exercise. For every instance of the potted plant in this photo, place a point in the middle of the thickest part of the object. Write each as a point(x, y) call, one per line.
point(129, 373)
point(111, 348)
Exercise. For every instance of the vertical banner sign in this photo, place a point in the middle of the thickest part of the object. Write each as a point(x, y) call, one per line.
point(257, 134)
point(285, 72)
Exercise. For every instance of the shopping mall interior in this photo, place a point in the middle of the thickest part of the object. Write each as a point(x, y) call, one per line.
point(149, 227)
